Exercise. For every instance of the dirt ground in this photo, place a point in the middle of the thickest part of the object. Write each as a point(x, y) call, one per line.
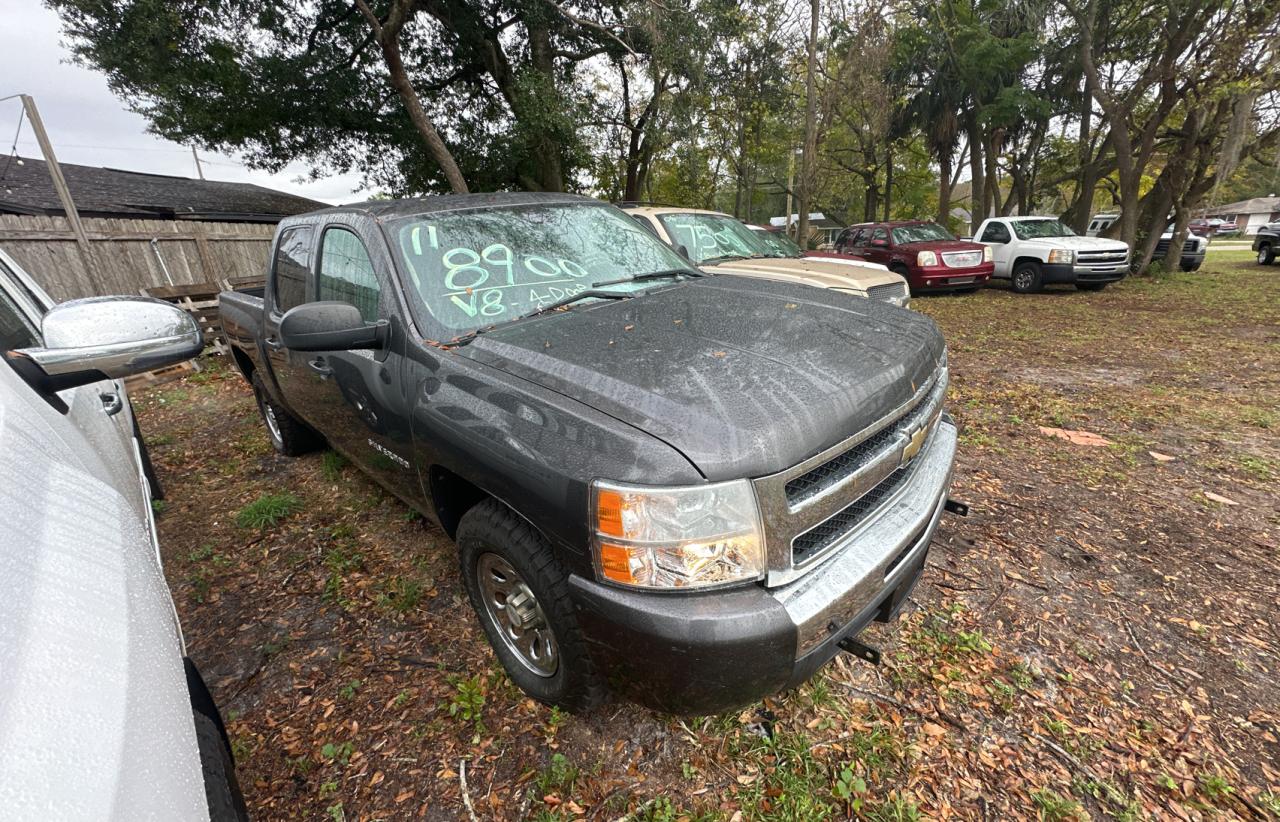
point(1097, 639)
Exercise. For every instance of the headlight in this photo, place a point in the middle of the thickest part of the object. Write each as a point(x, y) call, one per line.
point(926, 258)
point(1062, 255)
point(691, 537)
point(986, 254)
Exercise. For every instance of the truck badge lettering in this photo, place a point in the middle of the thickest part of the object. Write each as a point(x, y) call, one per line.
point(389, 454)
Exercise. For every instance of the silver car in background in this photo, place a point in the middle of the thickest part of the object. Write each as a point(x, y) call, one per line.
point(102, 716)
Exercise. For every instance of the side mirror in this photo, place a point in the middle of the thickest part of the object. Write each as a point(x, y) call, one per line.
point(99, 338)
point(329, 326)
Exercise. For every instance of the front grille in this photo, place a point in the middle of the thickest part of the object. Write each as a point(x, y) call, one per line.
point(1162, 248)
point(962, 259)
point(1099, 258)
point(888, 292)
point(818, 539)
point(837, 469)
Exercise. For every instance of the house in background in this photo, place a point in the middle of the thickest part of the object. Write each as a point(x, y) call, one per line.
point(1248, 215)
point(822, 229)
point(26, 188)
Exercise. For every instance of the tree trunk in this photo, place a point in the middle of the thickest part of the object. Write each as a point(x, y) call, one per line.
point(546, 149)
point(888, 180)
point(807, 159)
point(388, 37)
point(944, 189)
point(1087, 180)
point(977, 177)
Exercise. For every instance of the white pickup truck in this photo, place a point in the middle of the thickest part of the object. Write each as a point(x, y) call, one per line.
point(1033, 252)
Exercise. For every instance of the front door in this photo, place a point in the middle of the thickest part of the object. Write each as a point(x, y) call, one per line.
point(365, 412)
point(996, 235)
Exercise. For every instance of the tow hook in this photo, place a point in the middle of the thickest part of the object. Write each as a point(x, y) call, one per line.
point(955, 506)
point(863, 652)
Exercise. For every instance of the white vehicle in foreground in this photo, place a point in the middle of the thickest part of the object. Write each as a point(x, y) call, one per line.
point(102, 717)
point(1032, 252)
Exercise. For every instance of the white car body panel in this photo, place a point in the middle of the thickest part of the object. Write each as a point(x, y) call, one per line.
point(95, 717)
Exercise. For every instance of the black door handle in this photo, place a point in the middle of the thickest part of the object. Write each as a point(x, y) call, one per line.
point(112, 403)
point(317, 365)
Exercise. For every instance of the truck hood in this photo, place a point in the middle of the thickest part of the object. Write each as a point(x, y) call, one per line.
point(849, 275)
point(744, 377)
point(941, 246)
point(1079, 243)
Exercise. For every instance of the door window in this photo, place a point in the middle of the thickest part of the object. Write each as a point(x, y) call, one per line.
point(293, 260)
point(879, 234)
point(347, 274)
point(995, 233)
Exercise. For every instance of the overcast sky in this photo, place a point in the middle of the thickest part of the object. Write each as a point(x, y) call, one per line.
point(90, 126)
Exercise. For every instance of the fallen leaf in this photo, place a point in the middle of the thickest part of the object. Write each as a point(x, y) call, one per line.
point(720, 354)
point(933, 729)
point(1218, 498)
point(1158, 457)
point(1076, 437)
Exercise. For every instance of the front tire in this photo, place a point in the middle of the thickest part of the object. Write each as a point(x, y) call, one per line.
point(1266, 254)
point(1027, 278)
point(289, 435)
point(521, 595)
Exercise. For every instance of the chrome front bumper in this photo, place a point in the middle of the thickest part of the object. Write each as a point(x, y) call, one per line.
point(877, 556)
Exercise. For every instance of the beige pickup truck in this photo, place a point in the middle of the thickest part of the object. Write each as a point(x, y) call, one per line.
point(721, 244)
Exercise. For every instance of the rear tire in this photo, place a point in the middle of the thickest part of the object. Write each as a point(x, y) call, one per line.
point(1091, 286)
point(504, 559)
point(1266, 254)
point(289, 435)
point(1027, 278)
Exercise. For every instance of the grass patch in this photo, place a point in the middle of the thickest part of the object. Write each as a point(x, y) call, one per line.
point(267, 510)
point(331, 465)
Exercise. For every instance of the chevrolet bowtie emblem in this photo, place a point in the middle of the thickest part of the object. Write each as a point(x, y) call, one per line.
point(914, 445)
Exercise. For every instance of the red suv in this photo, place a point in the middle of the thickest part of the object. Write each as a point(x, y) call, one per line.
point(925, 253)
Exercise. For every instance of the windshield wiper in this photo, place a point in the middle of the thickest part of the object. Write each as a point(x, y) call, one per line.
point(573, 298)
point(652, 275)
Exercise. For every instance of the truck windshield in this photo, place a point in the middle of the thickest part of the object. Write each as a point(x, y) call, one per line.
point(1035, 229)
point(472, 269)
point(923, 233)
point(711, 238)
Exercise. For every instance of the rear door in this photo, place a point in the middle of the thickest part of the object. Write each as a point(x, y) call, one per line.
point(288, 286)
point(875, 245)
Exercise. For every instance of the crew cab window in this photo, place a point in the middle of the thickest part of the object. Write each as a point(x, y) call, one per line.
point(879, 234)
point(293, 259)
point(995, 233)
point(15, 330)
point(346, 273)
point(1037, 229)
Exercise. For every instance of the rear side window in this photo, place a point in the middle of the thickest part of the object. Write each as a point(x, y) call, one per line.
point(346, 273)
point(879, 234)
point(293, 259)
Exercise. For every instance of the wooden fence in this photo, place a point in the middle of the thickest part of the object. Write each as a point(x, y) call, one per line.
point(127, 256)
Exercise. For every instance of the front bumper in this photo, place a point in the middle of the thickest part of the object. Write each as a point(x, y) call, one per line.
point(1098, 273)
point(707, 652)
point(945, 278)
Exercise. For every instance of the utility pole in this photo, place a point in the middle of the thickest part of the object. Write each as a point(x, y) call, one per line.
point(791, 184)
point(808, 160)
point(199, 170)
point(59, 182)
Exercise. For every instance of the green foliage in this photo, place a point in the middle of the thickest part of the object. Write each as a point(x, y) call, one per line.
point(331, 465)
point(267, 510)
point(467, 702)
point(559, 775)
point(337, 752)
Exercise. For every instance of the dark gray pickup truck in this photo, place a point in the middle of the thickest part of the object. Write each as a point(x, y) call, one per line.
point(691, 489)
